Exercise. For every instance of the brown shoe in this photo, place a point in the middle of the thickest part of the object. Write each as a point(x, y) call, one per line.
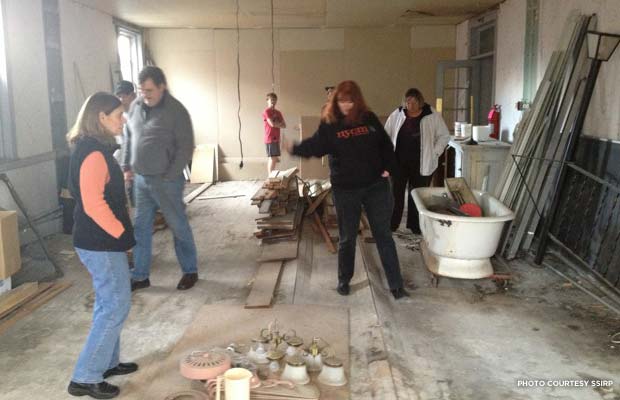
point(187, 281)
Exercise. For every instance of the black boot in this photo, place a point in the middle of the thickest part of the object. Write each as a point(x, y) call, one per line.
point(121, 369)
point(399, 293)
point(136, 285)
point(343, 289)
point(187, 281)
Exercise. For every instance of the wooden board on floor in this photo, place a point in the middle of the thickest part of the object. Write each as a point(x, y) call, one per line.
point(264, 286)
point(218, 325)
point(13, 298)
point(46, 292)
point(197, 192)
point(278, 251)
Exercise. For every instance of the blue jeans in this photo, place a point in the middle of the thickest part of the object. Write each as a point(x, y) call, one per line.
point(378, 203)
point(110, 273)
point(152, 193)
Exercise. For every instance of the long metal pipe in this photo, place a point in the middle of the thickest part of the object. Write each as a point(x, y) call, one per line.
point(22, 208)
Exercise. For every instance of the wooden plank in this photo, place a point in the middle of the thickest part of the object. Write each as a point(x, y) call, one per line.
point(197, 192)
point(326, 236)
point(280, 230)
point(265, 206)
point(285, 219)
point(460, 190)
point(268, 234)
point(264, 285)
point(278, 251)
point(230, 196)
point(47, 291)
point(286, 175)
point(260, 194)
point(265, 193)
point(15, 297)
point(317, 202)
point(203, 164)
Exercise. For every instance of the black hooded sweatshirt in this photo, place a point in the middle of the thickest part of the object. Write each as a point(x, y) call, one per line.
point(358, 154)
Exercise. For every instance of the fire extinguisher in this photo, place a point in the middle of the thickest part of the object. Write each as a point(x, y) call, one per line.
point(494, 118)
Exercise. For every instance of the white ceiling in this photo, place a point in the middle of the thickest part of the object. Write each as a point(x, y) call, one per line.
point(289, 13)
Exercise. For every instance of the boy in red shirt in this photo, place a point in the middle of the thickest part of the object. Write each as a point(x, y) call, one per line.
point(273, 120)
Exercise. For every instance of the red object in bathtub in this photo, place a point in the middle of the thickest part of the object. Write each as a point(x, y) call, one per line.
point(471, 209)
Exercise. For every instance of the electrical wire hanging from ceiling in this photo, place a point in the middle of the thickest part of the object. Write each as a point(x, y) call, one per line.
point(273, 50)
point(239, 85)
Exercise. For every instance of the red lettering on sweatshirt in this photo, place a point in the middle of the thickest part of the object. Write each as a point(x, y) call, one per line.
point(349, 133)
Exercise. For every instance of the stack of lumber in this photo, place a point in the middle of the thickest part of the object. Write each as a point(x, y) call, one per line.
point(541, 139)
point(279, 197)
point(279, 193)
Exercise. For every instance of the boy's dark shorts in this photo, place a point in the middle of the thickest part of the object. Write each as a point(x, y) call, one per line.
point(273, 149)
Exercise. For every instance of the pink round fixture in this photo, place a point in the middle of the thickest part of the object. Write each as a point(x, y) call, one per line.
point(204, 365)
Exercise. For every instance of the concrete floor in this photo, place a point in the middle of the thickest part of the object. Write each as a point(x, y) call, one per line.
point(461, 340)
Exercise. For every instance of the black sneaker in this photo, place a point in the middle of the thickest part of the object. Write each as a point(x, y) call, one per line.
point(135, 285)
point(343, 289)
point(101, 390)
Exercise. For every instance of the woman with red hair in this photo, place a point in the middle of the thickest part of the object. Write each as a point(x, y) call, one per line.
point(361, 157)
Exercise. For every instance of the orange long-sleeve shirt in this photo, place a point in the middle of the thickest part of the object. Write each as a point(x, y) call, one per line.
point(94, 175)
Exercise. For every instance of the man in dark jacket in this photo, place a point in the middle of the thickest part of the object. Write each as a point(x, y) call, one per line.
point(159, 142)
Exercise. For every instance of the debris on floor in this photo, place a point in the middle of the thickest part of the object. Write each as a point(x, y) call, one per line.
point(412, 240)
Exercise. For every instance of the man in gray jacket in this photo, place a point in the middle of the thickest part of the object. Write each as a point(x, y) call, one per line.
point(159, 142)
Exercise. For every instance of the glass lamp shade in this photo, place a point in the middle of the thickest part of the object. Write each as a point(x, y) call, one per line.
point(602, 45)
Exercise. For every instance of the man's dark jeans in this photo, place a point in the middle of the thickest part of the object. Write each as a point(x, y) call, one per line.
point(378, 203)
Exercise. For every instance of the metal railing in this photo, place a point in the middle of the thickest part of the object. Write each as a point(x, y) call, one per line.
point(587, 224)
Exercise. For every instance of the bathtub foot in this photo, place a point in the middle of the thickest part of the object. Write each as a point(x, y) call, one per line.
point(455, 268)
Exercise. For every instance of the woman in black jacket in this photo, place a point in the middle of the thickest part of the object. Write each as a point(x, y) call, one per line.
point(102, 233)
point(360, 158)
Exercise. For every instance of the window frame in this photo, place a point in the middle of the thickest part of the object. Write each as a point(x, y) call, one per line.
point(8, 142)
point(477, 27)
point(136, 36)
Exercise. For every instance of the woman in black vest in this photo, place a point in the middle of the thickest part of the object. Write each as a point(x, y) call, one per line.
point(102, 233)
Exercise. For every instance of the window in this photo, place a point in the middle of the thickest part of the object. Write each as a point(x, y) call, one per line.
point(482, 36)
point(129, 43)
point(7, 133)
